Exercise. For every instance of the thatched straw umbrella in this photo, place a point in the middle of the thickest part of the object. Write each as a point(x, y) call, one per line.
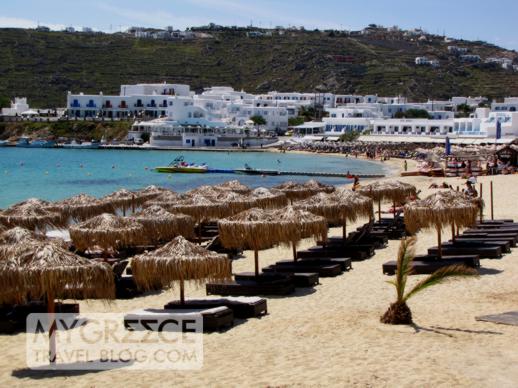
point(81, 207)
point(258, 229)
point(234, 186)
point(165, 200)
point(106, 231)
point(16, 240)
point(199, 207)
point(296, 191)
point(179, 261)
point(319, 186)
point(160, 225)
point(31, 214)
point(234, 203)
point(45, 269)
point(122, 199)
point(394, 191)
point(203, 191)
point(269, 199)
point(150, 192)
point(339, 207)
point(439, 210)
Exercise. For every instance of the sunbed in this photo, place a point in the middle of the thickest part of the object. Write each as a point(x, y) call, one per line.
point(214, 319)
point(427, 264)
point(281, 285)
point(489, 252)
point(475, 242)
point(243, 307)
point(323, 269)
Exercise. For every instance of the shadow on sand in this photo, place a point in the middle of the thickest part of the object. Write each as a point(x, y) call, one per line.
point(66, 370)
point(447, 331)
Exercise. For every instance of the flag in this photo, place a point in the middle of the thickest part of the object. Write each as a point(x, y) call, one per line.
point(498, 129)
point(448, 146)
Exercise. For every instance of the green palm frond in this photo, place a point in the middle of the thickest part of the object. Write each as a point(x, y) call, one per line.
point(440, 276)
point(406, 255)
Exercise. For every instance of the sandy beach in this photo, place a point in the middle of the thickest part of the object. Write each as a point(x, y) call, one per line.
point(333, 336)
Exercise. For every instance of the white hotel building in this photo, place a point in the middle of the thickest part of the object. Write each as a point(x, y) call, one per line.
point(215, 107)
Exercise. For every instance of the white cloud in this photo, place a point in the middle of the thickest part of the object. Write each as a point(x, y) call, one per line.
point(26, 23)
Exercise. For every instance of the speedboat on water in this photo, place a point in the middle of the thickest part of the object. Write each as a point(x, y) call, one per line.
point(88, 145)
point(179, 165)
point(26, 142)
point(3, 143)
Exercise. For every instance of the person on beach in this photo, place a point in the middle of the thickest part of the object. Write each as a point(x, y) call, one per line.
point(470, 190)
point(356, 183)
point(405, 165)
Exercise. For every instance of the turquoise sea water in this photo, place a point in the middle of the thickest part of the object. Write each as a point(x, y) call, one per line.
point(54, 174)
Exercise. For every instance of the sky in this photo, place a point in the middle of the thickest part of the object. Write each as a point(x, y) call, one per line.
point(492, 21)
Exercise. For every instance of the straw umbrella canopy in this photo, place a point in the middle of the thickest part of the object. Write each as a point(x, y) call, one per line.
point(234, 186)
point(441, 209)
point(394, 191)
point(150, 192)
point(204, 191)
point(339, 207)
point(15, 240)
point(199, 207)
point(160, 225)
point(234, 203)
point(178, 261)
point(269, 199)
point(319, 186)
point(31, 214)
point(296, 191)
point(166, 199)
point(81, 207)
point(122, 199)
point(258, 229)
point(106, 231)
point(46, 270)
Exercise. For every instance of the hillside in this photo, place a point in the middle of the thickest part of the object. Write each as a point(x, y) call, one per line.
point(44, 65)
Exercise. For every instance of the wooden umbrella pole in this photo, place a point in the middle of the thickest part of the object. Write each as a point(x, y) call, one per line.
point(133, 204)
point(439, 247)
point(182, 291)
point(256, 260)
point(51, 310)
point(453, 231)
point(294, 249)
point(379, 210)
point(394, 208)
point(481, 204)
point(491, 192)
point(124, 210)
point(344, 229)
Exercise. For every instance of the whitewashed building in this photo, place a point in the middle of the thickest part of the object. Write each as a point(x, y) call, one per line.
point(18, 106)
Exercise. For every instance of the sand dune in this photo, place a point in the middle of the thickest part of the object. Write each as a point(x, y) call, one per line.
point(333, 336)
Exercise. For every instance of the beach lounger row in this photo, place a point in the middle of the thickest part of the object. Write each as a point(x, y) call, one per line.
point(486, 240)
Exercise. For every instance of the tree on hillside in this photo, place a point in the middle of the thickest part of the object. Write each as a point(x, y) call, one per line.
point(294, 121)
point(5, 102)
point(464, 110)
point(258, 120)
point(350, 136)
point(413, 114)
